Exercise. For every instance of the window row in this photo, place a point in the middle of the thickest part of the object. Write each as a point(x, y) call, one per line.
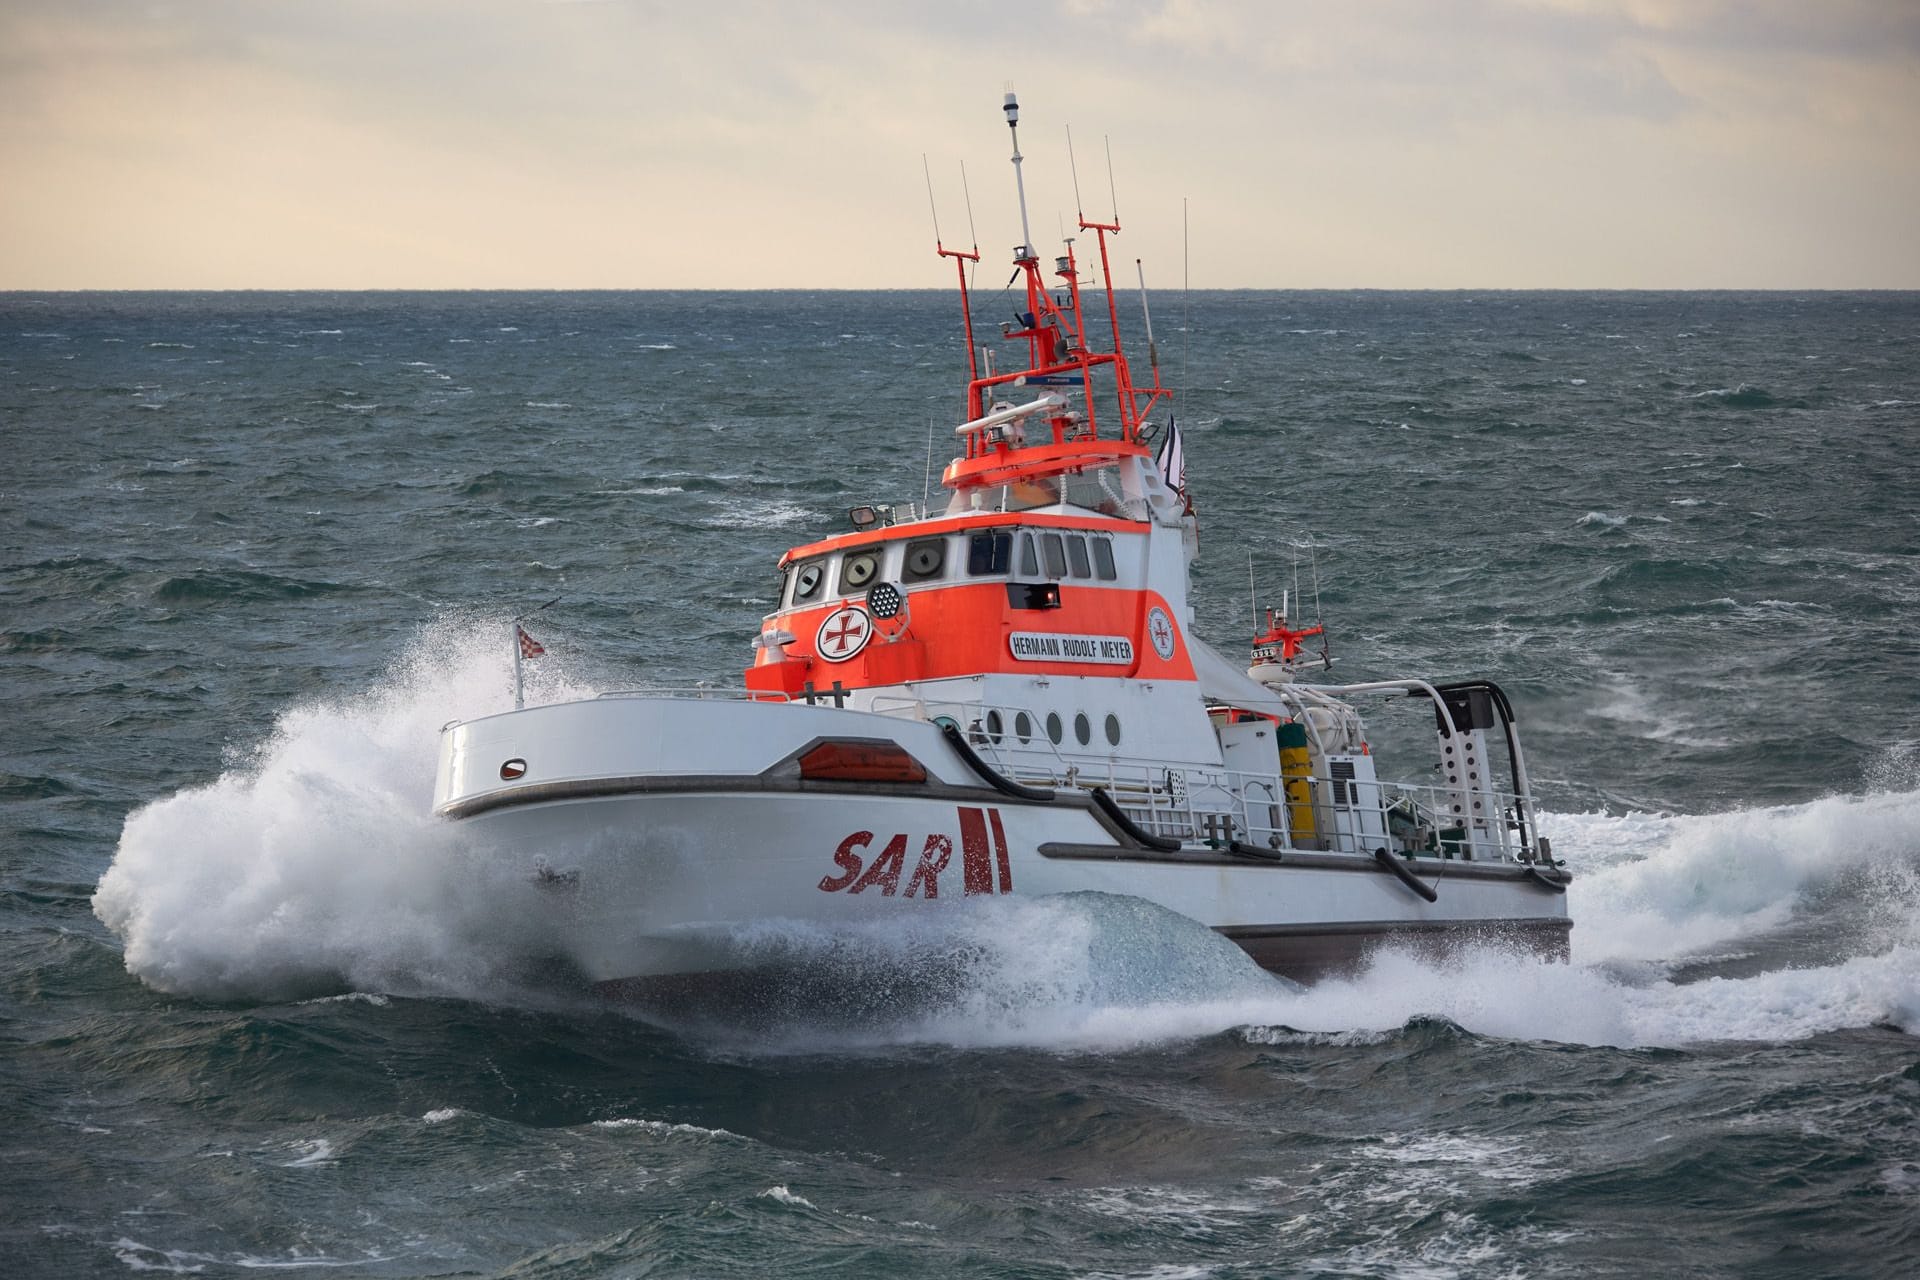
point(1041, 554)
point(995, 728)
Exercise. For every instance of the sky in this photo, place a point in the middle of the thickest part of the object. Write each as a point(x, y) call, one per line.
point(336, 144)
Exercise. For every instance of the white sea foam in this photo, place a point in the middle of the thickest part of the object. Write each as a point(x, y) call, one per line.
point(772, 514)
point(316, 1151)
point(1651, 890)
point(664, 1129)
point(784, 1196)
point(314, 862)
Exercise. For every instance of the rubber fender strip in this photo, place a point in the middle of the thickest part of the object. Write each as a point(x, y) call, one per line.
point(1545, 881)
point(1253, 851)
point(1166, 844)
point(1405, 876)
point(992, 776)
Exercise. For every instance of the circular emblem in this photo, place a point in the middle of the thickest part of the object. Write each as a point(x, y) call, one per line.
point(1160, 631)
point(843, 633)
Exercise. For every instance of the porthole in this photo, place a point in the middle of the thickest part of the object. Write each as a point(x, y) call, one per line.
point(1082, 728)
point(859, 568)
point(1023, 728)
point(1054, 729)
point(925, 560)
point(807, 583)
point(1113, 730)
point(996, 728)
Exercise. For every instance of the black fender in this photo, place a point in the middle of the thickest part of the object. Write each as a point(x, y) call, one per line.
point(1545, 881)
point(1135, 832)
point(988, 774)
point(1405, 875)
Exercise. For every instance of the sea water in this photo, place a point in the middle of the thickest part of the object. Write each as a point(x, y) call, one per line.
point(260, 1010)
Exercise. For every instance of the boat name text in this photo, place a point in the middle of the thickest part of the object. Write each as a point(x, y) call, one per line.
point(1053, 646)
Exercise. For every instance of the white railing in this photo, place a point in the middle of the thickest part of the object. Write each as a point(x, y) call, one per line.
point(1208, 804)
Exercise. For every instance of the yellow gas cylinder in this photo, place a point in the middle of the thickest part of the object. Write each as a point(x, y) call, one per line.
point(1295, 771)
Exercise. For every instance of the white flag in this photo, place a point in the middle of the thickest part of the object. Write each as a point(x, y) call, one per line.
point(1172, 460)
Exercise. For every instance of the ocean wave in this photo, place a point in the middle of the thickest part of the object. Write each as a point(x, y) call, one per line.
point(1744, 396)
point(238, 586)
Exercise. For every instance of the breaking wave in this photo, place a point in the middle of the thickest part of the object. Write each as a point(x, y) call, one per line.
point(313, 864)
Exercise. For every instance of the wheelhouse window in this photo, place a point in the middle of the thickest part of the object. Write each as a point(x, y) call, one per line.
point(925, 560)
point(1053, 551)
point(1103, 559)
point(989, 554)
point(860, 570)
point(1077, 556)
point(1100, 490)
point(809, 580)
point(1029, 558)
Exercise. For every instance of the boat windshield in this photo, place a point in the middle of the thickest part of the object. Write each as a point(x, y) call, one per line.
point(1097, 489)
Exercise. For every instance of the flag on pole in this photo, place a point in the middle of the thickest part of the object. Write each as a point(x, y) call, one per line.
point(1172, 460)
point(529, 647)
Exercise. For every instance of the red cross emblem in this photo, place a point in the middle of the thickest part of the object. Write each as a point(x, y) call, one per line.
point(1160, 631)
point(843, 633)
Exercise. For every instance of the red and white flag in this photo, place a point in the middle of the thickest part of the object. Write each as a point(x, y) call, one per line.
point(529, 647)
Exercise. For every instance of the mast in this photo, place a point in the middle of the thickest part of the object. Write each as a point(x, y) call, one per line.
point(1062, 363)
point(1025, 252)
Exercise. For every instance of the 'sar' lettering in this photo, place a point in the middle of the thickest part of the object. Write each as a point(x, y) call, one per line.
point(885, 869)
point(984, 860)
point(848, 861)
point(933, 860)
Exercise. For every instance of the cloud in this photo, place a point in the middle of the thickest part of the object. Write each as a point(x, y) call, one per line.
point(639, 143)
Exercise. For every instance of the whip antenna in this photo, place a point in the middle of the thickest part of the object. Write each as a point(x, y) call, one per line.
point(1253, 594)
point(1079, 212)
point(932, 208)
point(1186, 297)
point(964, 191)
point(1153, 351)
point(1112, 198)
point(926, 490)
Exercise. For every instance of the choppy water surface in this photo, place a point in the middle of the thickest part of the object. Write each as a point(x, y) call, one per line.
point(258, 548)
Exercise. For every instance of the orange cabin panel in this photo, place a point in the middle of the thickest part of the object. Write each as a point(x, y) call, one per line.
point(966, 629)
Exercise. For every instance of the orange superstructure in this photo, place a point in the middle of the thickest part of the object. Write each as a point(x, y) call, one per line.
point(1063, 545)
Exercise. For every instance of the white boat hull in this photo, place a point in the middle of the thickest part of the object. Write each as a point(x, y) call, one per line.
point(658, 863)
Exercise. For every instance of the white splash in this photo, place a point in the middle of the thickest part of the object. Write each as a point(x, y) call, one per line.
point(315, 864)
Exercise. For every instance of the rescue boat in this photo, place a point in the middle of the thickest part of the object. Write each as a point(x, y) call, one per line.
point(1003, 694)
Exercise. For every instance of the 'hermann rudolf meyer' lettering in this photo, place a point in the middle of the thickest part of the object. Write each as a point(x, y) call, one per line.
point(1053, 646)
